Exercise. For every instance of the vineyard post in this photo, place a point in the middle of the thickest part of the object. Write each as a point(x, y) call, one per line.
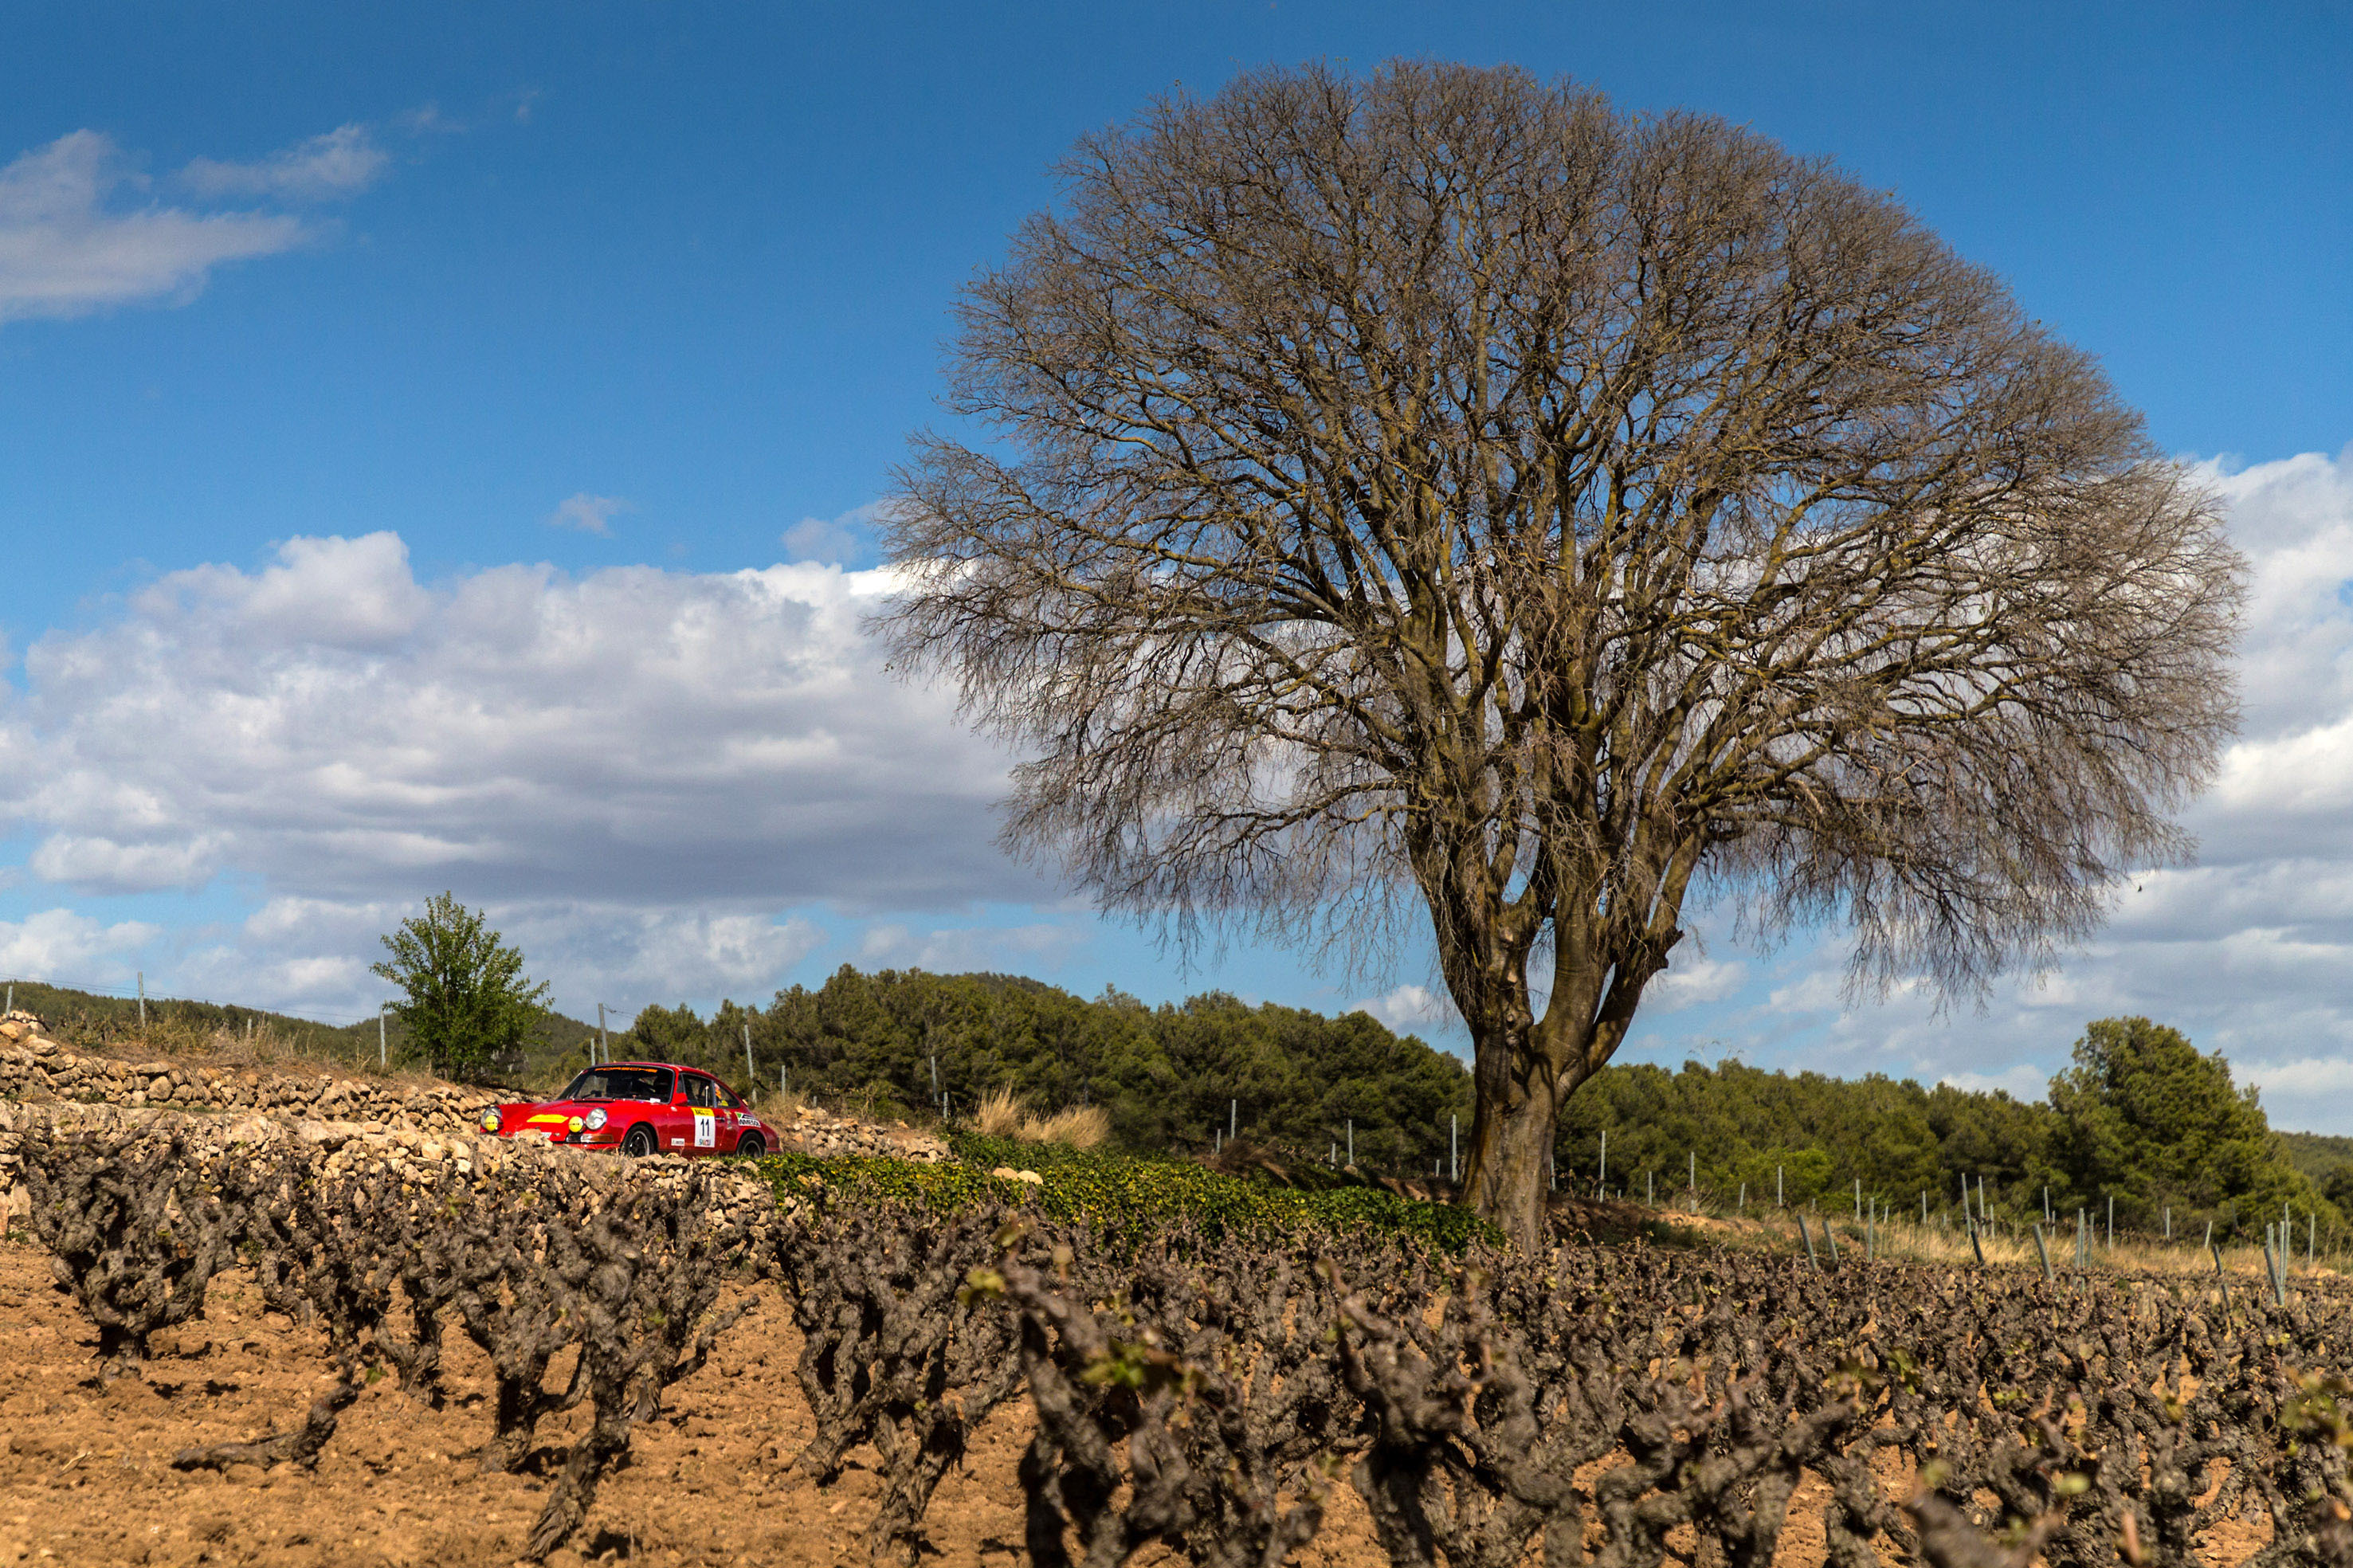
point(2219, 1277)
point(1811, 1261)
point(1832, 1236)
point(1651, 1188)
point(2311, 1238)
point(1694, 1157)
point(2042, 1252)
point(604, 1046)
point(1233, 1118)
point(1352, 1142)
point(1604, 1178)
point(1870, 1238)
point(383, 1052)
point(2168, 1222)
point(1965, 1195)
point(2111, 1222)
point(1742, 1206)
point(2046, 1205)
point(2209, 1243)
point(1924, 1208)
point(752, 1074)
point(1777, 1188)
point(1454, 1147)
point(1858, 1199)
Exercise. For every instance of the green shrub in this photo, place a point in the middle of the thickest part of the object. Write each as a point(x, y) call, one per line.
point(1116, 1193)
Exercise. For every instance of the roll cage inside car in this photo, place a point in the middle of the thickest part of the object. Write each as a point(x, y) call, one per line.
point(651, 1084)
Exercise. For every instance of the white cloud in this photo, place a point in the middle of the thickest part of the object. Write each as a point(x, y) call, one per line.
point(1005, 948)
point(60, 946)
point(2022, 1081)
point(589, 514)
point(341, 163)
point(640, 768)
point(66, 251)
point(836, 541)
point(1692, 980)
point(336, 729)
point(1410, 1008)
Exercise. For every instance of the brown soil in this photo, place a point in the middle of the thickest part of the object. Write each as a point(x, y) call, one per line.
point(85, 1475)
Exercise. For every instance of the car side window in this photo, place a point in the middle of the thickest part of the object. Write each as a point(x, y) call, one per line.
point(727, 1100)
point(701, 1091)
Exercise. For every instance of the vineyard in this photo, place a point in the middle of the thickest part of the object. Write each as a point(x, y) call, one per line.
point(1219, 1393)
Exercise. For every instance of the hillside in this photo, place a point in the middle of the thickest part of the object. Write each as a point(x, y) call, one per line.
point(96, 1020)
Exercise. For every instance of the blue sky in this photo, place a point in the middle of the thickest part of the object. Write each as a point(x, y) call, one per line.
point(433, 445)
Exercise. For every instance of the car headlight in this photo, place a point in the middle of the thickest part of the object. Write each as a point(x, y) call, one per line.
point(596, 1119)
point(491, 1120)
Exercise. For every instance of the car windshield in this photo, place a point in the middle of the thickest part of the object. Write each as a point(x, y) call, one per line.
point(620, 1083)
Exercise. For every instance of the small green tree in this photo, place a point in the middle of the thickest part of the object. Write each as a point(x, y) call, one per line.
point(2145, 1117)
point(469, 1001)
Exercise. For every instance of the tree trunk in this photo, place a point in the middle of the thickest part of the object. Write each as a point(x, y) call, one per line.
point(1507, 1180)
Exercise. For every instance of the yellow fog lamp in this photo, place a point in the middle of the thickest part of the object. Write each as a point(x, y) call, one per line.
point(577, 1124)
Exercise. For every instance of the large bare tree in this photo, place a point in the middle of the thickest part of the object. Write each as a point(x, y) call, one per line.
point(1438, 491)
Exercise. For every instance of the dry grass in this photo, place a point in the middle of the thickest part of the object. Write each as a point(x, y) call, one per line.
point(1005, 1114)
point(264, 1046)
point(778, 1105)
point(999, 1114)
point(1080, 1126)
point(1911, 1242)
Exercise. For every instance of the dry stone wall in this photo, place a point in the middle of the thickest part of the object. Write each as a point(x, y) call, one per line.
point(397, 1128)
point(35, 1067)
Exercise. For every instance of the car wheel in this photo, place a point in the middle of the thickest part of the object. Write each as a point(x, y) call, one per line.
point(750, 1148)
point(641, 1141)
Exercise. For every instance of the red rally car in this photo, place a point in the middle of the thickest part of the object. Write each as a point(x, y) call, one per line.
point(641, 1107)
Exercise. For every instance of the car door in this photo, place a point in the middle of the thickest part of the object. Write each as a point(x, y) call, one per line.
point(731, 1121)
point(665, 1112)
point(702, 1114)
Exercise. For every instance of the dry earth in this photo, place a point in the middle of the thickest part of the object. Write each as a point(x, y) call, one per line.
point(85, 1475)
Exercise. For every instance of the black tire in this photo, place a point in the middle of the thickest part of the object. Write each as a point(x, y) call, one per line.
point(641, 1142)
point(752, 1146)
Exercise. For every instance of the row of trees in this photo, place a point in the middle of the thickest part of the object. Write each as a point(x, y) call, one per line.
point(1171, 1077)
point(2141, 1116)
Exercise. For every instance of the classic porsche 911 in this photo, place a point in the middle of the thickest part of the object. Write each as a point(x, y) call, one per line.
point(641, 1107)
